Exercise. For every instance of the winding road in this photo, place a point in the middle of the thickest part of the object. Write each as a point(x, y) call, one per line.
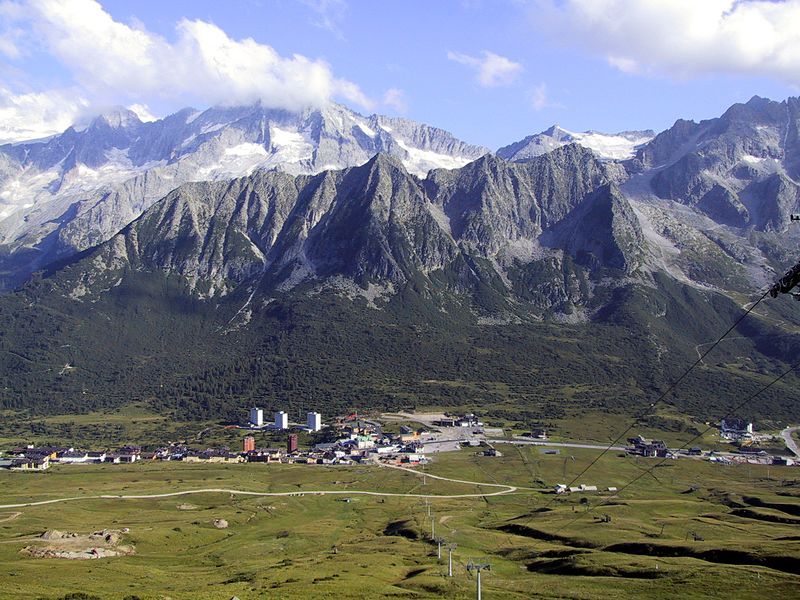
point(786, 434)
point(504, 489)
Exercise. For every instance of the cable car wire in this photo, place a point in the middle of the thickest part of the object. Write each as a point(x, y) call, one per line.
point(687, 444)
point(665, 393)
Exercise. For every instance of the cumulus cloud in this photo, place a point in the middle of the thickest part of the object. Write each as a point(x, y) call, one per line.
point(113, 62)
point(685, 37)
point(396, 99)
point(143, 112)
point(33, 115)
point(491, 70)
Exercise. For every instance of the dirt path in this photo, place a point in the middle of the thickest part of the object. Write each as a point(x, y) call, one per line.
point(10, 517)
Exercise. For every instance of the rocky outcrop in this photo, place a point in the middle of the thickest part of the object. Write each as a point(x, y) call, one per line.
point(738, 169)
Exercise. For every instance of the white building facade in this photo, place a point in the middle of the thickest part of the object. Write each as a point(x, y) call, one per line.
point(256, 417)
point(314, 421)
point(281, 420)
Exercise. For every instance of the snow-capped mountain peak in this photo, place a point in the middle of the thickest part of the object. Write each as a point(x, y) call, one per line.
point(616, 146)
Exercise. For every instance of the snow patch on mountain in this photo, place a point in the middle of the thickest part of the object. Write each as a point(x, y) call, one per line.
point(289, 146)
point(419, 162)
point(617, 146)
point(366, 129)
point(246, 149)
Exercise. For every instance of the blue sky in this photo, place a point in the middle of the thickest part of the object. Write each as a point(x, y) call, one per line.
point(490, 71)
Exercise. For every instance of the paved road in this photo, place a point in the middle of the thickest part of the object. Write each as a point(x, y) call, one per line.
point(786, 434)
point(555, 444)
point(505, 489)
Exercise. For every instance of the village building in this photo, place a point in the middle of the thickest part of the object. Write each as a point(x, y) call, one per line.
point(735, 430)
point(74, 457)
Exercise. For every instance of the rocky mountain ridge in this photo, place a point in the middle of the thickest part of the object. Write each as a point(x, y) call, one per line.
point(377, 224)
point(77, 189)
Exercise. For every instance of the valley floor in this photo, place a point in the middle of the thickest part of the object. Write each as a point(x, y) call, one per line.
point(691, 529)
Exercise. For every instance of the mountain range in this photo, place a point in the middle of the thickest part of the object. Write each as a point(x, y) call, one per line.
point(237, 254)
point(77, 189)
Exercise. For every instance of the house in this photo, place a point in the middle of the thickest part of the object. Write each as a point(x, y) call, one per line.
point(735, 430)
point(26, 464)
point(364, 441)
point(539, 433)
point(650, 449)
point(468, 420)
point(264, 455)
point(660, 448)
point(413, 458)
point(213, 456)
point(561, 488)
point(124, 454)
point(96, 457)
point(74, 457)
point(38, 452)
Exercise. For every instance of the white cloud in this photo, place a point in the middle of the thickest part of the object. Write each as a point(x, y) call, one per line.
point(396, 99)
point(491, 70)
point(143, 112)
point(685, 37)
point(117, 63)
point(35, 115)
point(203, 62)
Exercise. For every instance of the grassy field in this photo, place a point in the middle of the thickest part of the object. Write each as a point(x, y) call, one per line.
point(321, 546)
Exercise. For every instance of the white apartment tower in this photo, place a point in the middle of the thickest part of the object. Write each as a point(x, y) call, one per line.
point(281, 420)
point(256, 417)
point(314, 421)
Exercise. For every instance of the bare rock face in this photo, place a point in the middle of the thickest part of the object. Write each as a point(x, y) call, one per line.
point(740, 169)
point(602, 232)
